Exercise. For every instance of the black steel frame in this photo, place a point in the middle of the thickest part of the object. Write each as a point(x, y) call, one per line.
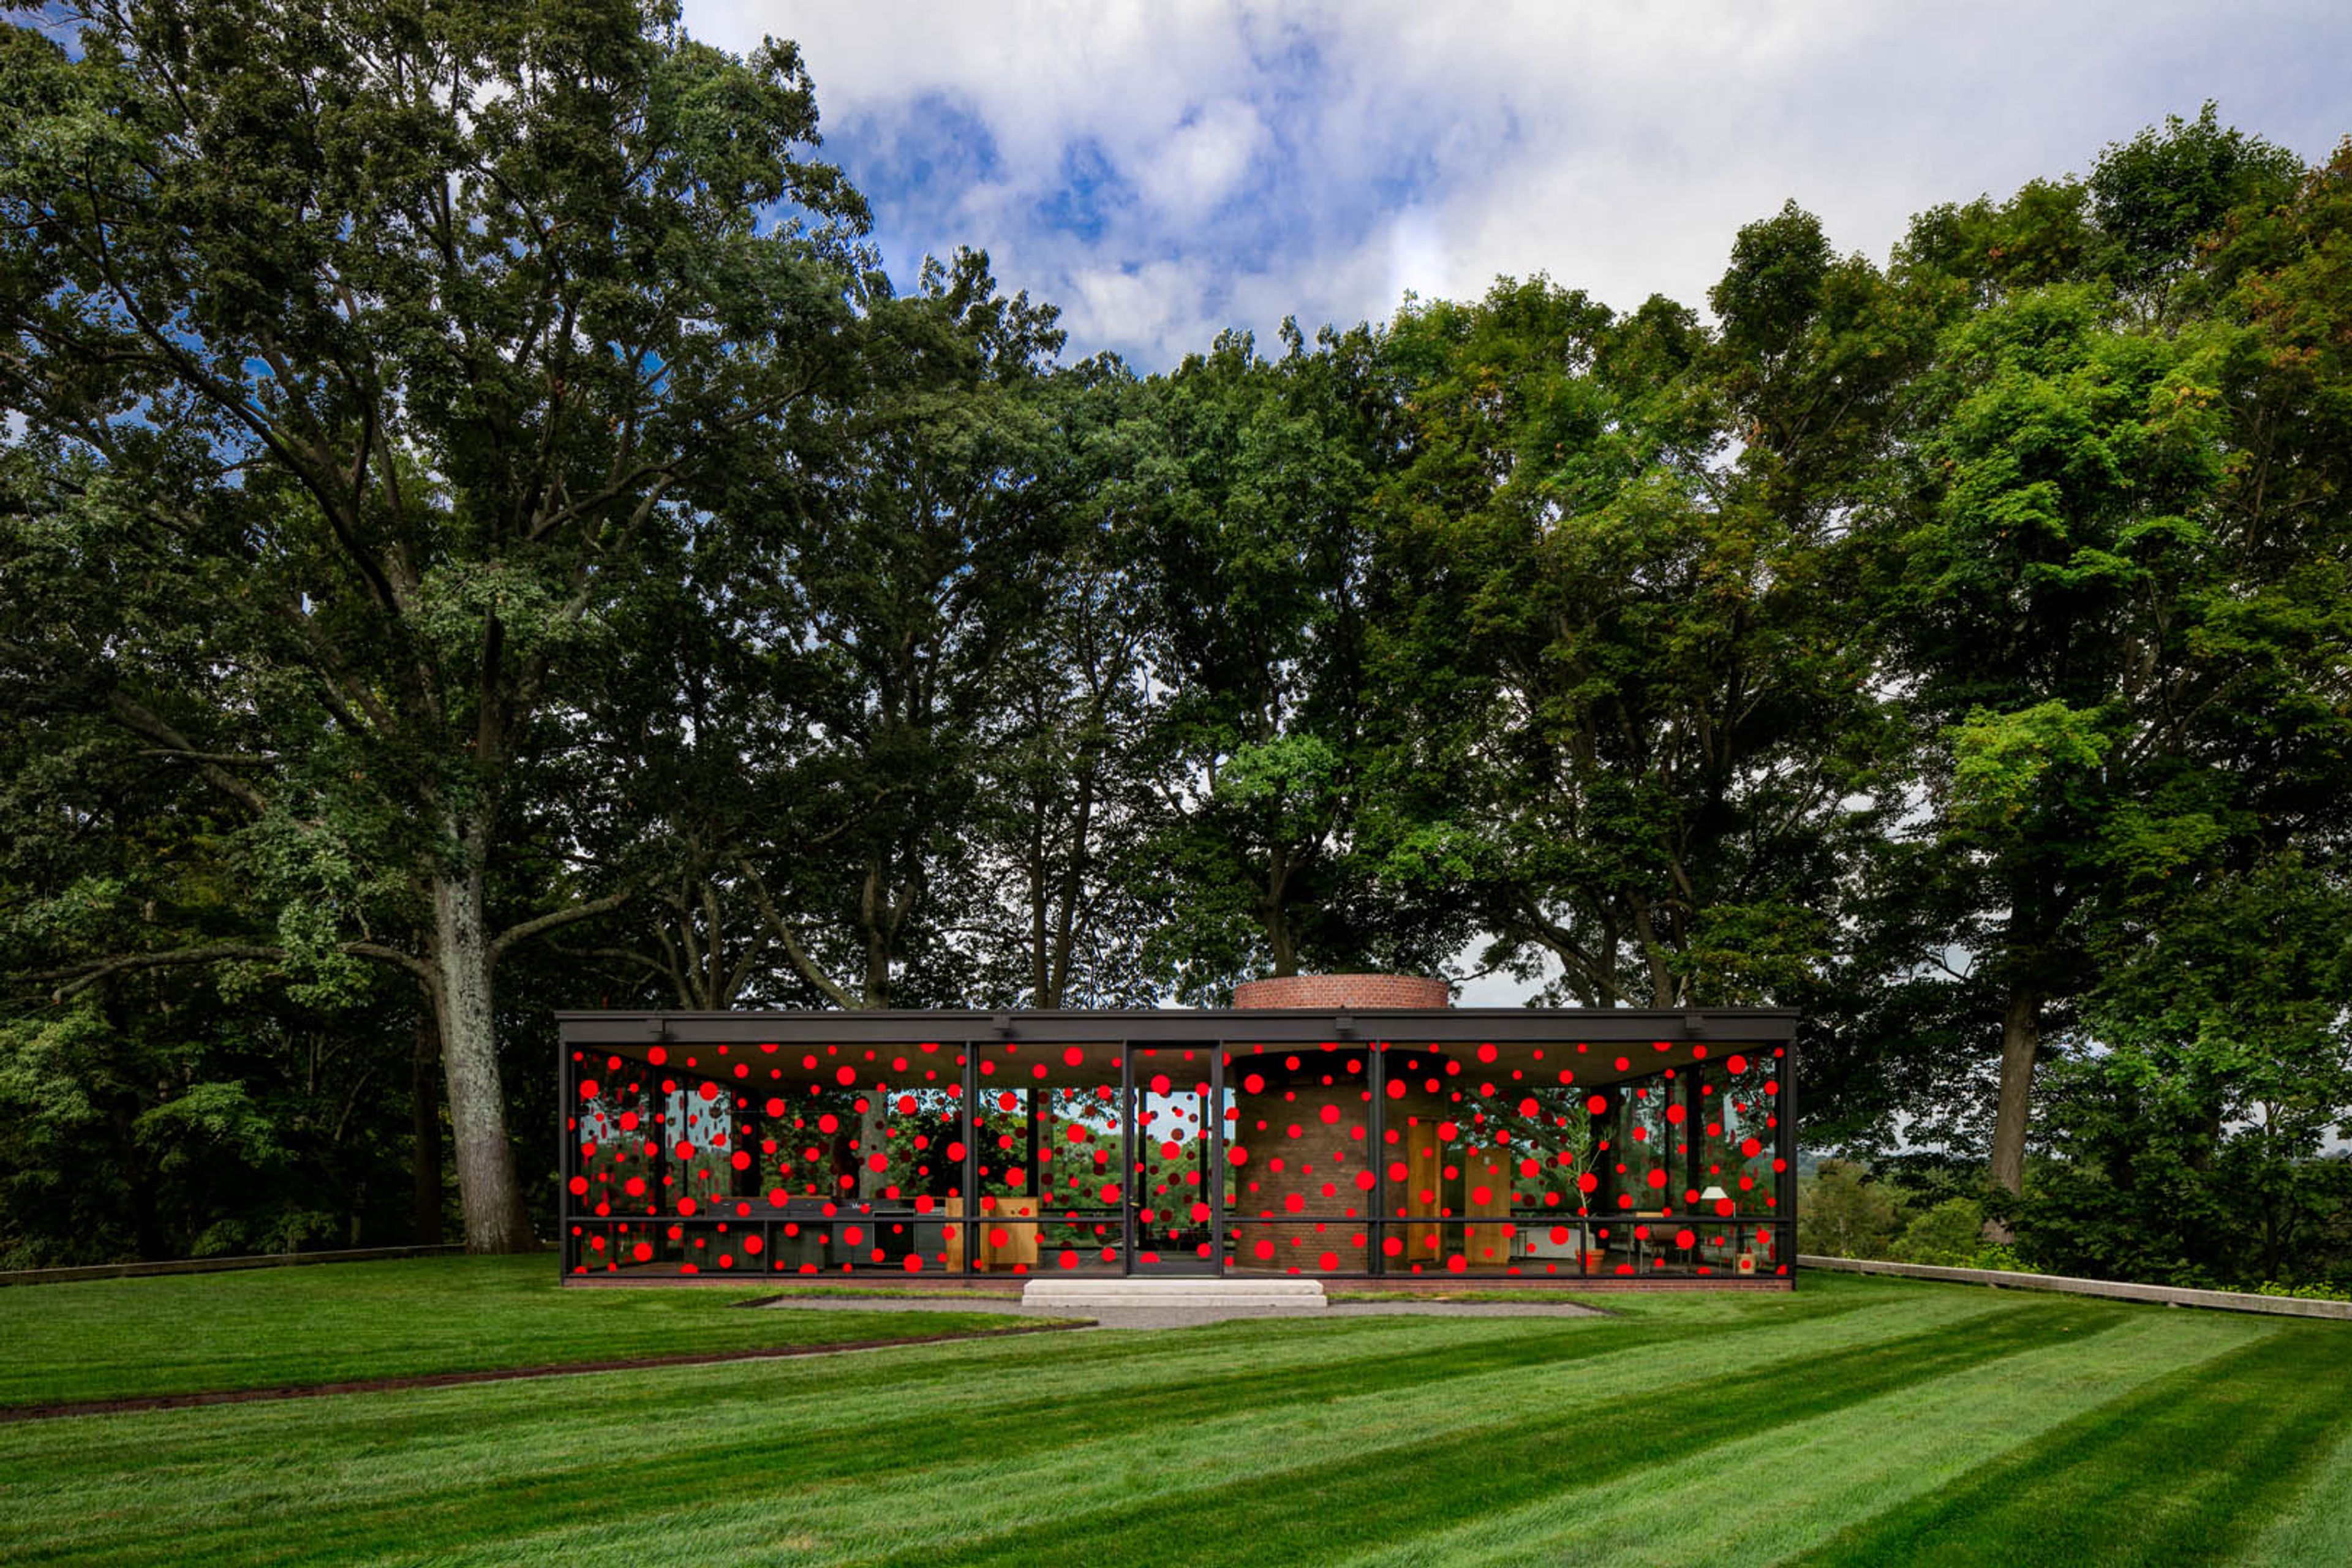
point(1218, 1031)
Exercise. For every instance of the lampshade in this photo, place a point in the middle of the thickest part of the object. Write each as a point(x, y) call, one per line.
point(1713, 1195)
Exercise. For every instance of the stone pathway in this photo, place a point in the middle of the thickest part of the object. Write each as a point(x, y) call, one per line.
point(1196, 1311)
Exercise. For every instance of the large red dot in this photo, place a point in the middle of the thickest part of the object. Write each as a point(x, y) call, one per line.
point(1598, 1104)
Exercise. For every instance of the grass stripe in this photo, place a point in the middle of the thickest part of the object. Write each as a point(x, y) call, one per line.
point(903, 1427)
point(1762, 1497)
point(2177, 1474)
point(2316, 1526)
point(448, 1466)
point(1385, 1495)
point(123, 1339)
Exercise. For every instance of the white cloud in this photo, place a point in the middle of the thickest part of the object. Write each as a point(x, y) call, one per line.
point(1401, 145)
point(1202, 160)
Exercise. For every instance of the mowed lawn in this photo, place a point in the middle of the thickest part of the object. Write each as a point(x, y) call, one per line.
point(1853, 1422)
point(344, 1323)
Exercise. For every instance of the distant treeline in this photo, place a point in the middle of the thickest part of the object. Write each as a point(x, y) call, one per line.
point(481, 533)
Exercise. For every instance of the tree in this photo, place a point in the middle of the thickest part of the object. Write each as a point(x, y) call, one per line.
point(2073, 580)
point(1629, 719)
point(890, 587)
point(371, 354)
point(1259, 539)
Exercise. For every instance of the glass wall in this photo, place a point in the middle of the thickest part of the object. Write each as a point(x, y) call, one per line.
point(1008, 1158)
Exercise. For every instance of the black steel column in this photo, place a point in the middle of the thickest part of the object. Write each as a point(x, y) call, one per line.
point(1127, 1156)
point(1785, 1148)
point(1216, 1153)
point(567, 1164)
point(968, 1124)
point(1375, 1079)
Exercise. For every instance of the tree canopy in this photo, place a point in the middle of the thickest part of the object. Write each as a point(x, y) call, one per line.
point(481, 532)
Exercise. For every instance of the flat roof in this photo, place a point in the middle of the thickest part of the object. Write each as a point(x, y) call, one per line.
point(1180, 1026)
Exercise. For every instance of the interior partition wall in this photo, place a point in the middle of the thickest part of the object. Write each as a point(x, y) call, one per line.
point(1418, 1144)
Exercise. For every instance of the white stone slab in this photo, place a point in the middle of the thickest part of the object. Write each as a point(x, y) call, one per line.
point(1295, 1295)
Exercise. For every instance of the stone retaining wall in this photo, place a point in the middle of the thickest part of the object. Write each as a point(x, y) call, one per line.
point(2171, 1294)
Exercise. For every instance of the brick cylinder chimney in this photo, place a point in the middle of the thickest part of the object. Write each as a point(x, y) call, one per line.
point(1330, 993)
point(1309, 1176)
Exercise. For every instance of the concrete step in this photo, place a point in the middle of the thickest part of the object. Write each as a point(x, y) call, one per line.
point(1292, 1295)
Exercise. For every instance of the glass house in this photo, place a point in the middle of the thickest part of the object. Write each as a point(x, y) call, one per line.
point(1603, 1147)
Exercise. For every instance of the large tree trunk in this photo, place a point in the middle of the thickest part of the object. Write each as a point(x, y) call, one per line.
point(424, 1111)
point(2020, 1038)
point(495, 1219)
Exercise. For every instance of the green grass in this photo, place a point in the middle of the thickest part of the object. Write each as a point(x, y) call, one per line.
point(1535, 1298)
point(1857, 1421)
point(336, 1323)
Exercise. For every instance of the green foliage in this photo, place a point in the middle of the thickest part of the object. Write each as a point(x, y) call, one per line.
point(2303, 1293)
point(1841, 1213)
point(1951, 1234)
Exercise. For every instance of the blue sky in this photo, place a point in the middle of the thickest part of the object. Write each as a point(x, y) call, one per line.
point(1164, 170)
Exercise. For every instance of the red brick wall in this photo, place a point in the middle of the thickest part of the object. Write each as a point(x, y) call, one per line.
point(1328, 993)
point(1315, 1135)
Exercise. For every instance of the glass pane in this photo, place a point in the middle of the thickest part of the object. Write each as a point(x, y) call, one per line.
point(1169, 1178)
